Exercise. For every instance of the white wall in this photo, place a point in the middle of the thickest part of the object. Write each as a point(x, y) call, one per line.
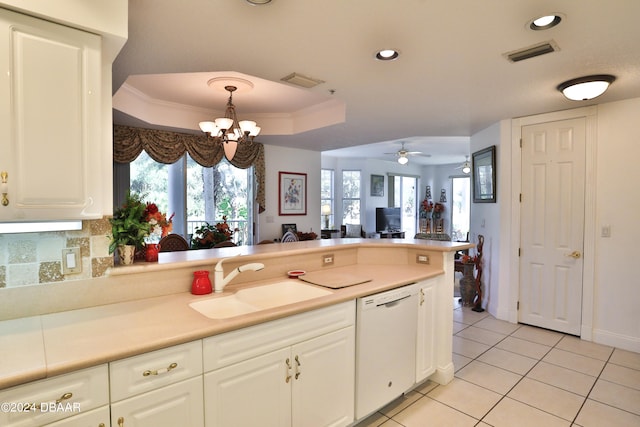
point(491, 219)
point(617, 287)
point(280, 159)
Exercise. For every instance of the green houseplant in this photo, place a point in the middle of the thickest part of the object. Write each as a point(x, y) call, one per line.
point(129, 226)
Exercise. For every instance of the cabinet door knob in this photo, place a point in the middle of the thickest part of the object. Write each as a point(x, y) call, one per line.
point(121, 422)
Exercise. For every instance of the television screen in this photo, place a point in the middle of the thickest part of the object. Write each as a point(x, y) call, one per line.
point(388, 219)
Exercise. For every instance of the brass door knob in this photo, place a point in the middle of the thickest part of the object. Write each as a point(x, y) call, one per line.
point(575, 254)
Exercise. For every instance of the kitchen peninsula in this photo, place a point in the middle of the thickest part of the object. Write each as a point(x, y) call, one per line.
point(142, 310)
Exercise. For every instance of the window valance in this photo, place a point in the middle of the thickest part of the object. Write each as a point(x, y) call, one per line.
point(168, 147)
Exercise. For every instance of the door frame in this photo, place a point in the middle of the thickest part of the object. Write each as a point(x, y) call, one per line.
point(590, 233)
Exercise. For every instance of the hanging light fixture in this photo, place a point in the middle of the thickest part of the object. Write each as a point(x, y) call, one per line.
point(403, 159)
point(587, 87)
point(466, 166)
point(228, 130)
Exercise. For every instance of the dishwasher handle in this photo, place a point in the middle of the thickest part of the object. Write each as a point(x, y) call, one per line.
point(394, 302)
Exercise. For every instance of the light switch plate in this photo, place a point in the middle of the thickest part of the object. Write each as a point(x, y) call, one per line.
point(71, 261)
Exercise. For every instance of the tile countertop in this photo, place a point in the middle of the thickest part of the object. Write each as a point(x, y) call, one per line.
point(51, 344)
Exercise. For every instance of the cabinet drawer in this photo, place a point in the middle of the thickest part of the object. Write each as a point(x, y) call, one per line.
point(77, 392)
point(97, 418)
point(233, 347)
point(155, 369)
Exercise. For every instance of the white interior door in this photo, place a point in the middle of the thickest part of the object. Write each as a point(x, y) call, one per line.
point(552, 231)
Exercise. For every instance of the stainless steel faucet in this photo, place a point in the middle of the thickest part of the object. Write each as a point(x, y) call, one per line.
point(219, 281)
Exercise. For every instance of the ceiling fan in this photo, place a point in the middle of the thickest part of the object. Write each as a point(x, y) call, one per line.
point(466, 166)
point(403, 154)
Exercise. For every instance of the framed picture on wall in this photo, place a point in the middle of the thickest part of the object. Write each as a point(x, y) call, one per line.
point(484, 175)
point(292, 193)
point(377, 185)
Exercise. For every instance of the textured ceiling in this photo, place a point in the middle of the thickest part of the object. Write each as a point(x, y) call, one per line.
point(451, 79)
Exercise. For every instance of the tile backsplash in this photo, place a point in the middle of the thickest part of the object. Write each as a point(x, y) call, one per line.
point(36, 258)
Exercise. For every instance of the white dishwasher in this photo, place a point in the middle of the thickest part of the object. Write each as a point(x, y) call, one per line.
point(386, 328)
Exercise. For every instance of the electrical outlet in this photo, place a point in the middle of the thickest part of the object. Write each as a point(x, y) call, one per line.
point(327, 259)
point(71, 261)
point(422, 259)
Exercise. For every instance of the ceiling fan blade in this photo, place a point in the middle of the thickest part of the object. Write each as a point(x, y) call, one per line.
point(422, 154)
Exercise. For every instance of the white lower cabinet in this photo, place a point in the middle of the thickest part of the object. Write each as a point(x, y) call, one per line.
point(426, 340)
point(307, 382)
point(157, 389)
point(69, 397)
point(179, 404)
point(96, 418)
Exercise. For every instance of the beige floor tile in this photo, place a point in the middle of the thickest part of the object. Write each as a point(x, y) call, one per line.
point(400, 403)
point(596, 414)
point(510, 413)
point(626, 358)
point(495, 325)
point(566, 359)
point(460, 361)
point(391, 423)
point(616, 395)
point(488, 376)
point(468, 348)
point(566, 379)
point(466, 397)
point(507, 360)
point(538, 335)
point(426, 387)
point(524, 347)
point(585, 348)
point(429, 412)
point(374, 420)
point(468, 317)
point(457, 327)
point(483, 336)
point(621, 375)
point(548, 398)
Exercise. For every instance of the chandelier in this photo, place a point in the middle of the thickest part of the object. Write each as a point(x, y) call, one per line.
point(228, 130)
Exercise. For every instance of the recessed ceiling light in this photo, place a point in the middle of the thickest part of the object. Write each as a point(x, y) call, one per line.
point(545, 22)
point(387, 54)
point(587, 87)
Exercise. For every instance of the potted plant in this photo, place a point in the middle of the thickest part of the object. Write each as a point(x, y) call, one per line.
point(207, 236)
point(129, 227)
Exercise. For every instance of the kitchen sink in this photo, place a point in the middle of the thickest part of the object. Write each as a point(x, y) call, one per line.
point(257, 298)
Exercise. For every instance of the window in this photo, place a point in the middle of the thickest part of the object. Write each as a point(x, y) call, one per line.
point(197, 194)
point(351, 197)
point(460, 208)
point(326, 199)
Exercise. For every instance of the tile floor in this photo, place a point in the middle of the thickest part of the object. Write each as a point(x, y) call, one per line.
point(518, 375)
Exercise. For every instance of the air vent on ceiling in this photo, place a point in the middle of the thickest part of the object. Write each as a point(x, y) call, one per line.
point(532, 51)
point(300, 80)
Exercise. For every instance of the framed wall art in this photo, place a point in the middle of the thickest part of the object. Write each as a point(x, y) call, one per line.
point(292, 193)
point(377, 185)
point(484, 175)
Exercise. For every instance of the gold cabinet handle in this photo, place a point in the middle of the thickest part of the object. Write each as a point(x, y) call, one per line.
point(421, 296)
point(101, 425)
point(298, 364)
point(121, 422)
point(59, 400)
point(160, 371)
point(575, 255)
point(288, 378)
point(4, 188)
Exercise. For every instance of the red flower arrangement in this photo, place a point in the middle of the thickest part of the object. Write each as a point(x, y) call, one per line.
point(207, 235)
point(426, 205)
point(160, 226)
point(439, 207)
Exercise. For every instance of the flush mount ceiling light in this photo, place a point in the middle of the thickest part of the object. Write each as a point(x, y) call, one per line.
point(545, 22)
point(228, 130)
point(387, 54)
point(587, 87)
point(258, 2)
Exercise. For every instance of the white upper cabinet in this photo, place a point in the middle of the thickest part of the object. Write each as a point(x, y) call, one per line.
point(50, 121)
